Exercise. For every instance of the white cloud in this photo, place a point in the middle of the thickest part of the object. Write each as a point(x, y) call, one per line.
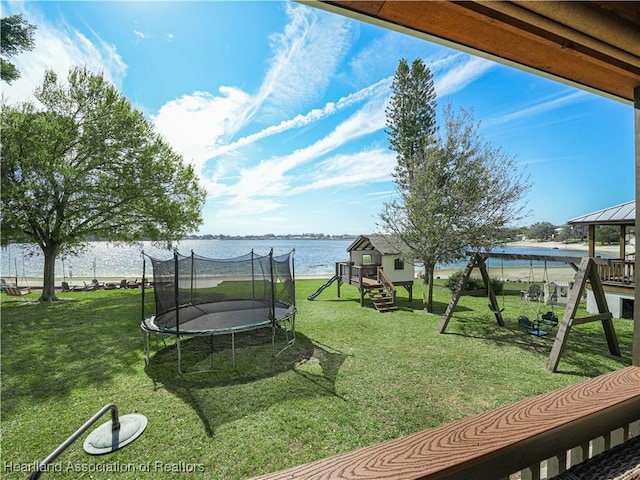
point(59, 47)
point(361, 168)
point(269, 177)
point(461, 75)
point(139, 34)
point(544, 105)
point(302, 120)
point(306, 55)
point(310, 48)
point(194, 124)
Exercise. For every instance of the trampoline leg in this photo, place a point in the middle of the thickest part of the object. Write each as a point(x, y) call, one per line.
point(273, 340)
point(146, 348)
point(233, 349)
point(212, 350)
point(179, 355)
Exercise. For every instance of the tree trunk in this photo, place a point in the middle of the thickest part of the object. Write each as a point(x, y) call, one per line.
point(428, 280)
point(49, 277)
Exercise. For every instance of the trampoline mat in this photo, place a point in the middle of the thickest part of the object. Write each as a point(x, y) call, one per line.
point(217, 318)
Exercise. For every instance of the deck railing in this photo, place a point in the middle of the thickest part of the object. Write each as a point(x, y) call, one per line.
point(349, 271)
point(619, 271)
point(532, 439)
point(386, 282)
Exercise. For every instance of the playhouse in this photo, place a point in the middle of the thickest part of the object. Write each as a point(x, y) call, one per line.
point(377, 268)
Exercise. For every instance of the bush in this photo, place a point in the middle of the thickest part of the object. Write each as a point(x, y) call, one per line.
point(474, 283)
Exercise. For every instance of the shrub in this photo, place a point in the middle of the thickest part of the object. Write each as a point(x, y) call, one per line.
point(474, 283)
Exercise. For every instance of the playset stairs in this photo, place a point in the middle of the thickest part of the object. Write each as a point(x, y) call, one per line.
point(382, 299)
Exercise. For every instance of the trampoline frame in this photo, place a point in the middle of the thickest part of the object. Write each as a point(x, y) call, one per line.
point(280, 315)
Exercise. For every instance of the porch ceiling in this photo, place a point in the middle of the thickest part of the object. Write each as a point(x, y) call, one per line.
point(594, 45)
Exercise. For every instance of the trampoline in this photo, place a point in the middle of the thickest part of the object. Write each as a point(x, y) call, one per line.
point(196, 295)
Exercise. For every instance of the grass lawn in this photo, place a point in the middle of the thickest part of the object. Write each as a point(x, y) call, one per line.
point(355, 377)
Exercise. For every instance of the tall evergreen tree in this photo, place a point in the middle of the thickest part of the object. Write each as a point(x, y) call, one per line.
point(454, 191)
point(411, 118)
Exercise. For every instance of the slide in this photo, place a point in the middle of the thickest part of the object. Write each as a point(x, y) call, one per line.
point(321, 289)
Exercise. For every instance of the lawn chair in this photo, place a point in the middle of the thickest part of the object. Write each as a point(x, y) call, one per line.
point(66, 287)
point(532, 293)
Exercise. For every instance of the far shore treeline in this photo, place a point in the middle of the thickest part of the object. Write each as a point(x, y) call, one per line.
point(541, 231)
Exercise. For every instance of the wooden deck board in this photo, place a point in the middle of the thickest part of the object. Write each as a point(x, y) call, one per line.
point(516, 434)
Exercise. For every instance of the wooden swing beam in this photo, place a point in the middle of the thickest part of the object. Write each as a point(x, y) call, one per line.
point(586, 271)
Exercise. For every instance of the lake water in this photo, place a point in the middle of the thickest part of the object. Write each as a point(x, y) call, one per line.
point(312, 257)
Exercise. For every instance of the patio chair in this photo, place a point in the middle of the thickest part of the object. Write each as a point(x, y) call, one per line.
point(533, 292)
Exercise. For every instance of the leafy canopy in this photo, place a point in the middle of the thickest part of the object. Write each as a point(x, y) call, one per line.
point(16, 36)
point(454, 190)
point(87, 165)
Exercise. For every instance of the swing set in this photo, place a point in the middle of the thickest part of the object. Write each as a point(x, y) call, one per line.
point(542, 325)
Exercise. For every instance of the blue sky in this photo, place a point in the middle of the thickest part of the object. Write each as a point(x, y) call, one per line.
point(280, 107)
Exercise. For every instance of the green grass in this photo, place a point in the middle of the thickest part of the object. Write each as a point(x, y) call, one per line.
point(355, 377)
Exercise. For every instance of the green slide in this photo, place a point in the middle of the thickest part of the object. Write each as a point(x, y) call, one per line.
point(321, 289)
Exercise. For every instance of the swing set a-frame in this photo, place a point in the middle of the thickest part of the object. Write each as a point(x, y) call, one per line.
point(586, 271)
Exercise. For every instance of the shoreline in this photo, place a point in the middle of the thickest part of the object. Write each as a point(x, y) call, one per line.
point(570, 246)
point(506, 273)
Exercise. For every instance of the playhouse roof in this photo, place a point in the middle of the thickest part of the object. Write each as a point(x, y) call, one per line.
point(624, 214)
point(385, 244)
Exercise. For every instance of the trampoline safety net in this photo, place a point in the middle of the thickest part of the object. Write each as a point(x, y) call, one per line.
point(189, 289)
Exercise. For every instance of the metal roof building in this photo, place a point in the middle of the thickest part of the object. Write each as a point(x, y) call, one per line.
point(623, 214)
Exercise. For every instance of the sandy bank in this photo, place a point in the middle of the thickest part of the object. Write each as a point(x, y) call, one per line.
point(571, 246)
point(518, 274)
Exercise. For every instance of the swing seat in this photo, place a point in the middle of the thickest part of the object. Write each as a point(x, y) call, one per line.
point(531, 327)
point(494, 309)
point(549, 318)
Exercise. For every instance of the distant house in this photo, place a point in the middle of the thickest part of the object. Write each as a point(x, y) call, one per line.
point(376, 266)
point(618, 276)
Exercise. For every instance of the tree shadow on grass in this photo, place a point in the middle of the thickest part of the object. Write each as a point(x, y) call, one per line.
point(50, 350)
point(586, 352)
point(220, 393)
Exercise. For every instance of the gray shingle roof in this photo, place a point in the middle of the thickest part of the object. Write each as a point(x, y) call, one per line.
point(385, 244)
point(624, 214)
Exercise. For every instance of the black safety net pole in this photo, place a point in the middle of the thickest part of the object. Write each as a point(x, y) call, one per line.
point(176, 295)
point(253, 278)
point(292, 294)
point(273, 288)
point(144, 274)
point(193, 269)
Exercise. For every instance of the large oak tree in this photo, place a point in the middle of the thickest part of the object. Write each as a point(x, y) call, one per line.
point(454, 190)
point(83, 164)
point(16, 36)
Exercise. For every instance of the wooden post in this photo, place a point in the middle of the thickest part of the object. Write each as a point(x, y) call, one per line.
point(623, 240)
point(635, 357)
point(587, 272)
point(490, 293)
point(456, 295)
point(592, 240)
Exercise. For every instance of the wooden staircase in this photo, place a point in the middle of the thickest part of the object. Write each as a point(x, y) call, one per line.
point(382, 299)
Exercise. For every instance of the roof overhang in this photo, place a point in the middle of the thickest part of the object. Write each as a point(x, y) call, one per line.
point(384, 244)
point(593, 45)
point(624, 214)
